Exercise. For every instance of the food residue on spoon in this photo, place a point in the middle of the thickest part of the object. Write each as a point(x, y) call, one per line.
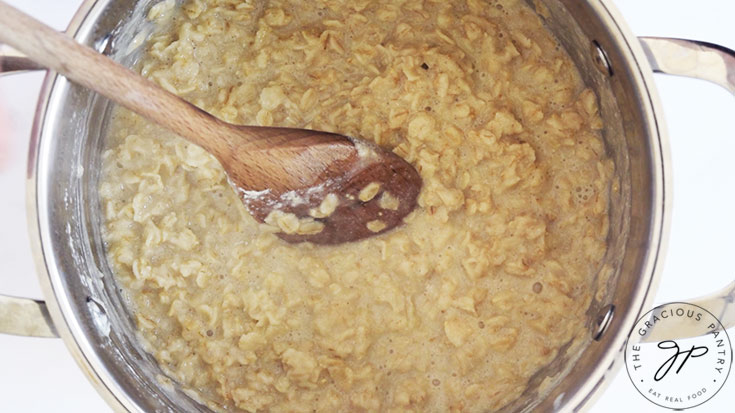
point(482, 286)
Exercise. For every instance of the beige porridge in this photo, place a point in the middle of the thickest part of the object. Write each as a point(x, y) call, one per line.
point(453, 311)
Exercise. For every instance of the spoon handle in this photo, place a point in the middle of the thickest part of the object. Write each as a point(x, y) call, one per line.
point(95, 71)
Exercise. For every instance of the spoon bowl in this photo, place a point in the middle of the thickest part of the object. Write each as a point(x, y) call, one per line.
point(308, 185)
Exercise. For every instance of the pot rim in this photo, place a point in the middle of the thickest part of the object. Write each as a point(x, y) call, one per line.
point(59, 307)
point(104, 382)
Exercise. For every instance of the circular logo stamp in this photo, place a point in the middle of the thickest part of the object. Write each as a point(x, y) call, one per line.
point(678, 355)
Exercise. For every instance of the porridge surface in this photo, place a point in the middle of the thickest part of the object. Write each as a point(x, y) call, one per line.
point(453, 311)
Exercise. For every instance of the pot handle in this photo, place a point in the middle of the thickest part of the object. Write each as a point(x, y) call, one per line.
point(22, 316)
point(12, 61)
point(691, 58)
point(25, 317)
point(714, 63)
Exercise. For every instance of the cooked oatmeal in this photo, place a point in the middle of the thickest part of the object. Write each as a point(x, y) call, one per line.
point(453, 311)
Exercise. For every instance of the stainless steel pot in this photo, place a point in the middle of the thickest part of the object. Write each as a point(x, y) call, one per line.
point(83, 305)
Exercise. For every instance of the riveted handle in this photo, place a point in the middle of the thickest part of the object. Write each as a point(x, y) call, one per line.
point(716, 64)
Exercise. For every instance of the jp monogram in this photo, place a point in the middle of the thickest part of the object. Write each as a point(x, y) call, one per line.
point(678, 356)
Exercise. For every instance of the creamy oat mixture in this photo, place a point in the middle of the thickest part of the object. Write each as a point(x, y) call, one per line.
point(453, 311)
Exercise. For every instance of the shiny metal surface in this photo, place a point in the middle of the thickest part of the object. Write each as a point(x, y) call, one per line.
point(635, 139)
point(13, 61)
point(720, 304)
point(691, 58)
point(714, 63)
point(83, 300)
point(22, 316)
point(603, 322)
point(25, 317)
point(89, 312)
point(599, 56)
point(87, 302)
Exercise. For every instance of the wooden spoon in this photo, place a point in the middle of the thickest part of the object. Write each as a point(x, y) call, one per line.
point(313, 186)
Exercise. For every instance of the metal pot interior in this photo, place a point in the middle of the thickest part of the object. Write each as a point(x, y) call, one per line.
point(88, 307)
